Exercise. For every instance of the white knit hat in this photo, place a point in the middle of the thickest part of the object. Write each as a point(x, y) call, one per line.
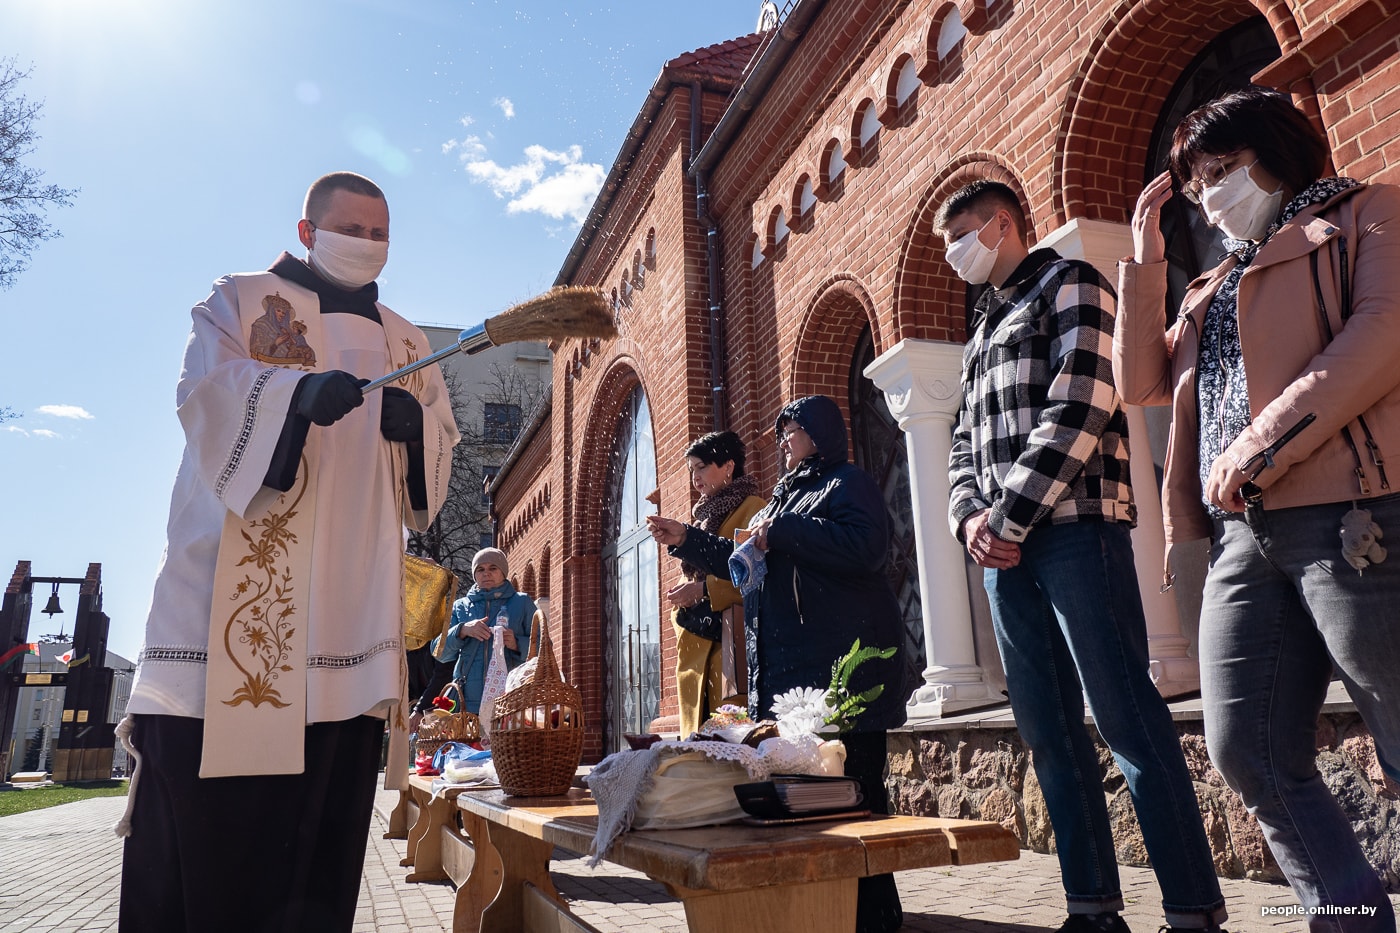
point(491, 555)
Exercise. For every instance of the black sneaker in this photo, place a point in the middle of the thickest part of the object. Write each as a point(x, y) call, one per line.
point(1094, 923)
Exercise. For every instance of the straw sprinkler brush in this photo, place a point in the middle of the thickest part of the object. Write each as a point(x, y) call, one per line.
point(564, 311)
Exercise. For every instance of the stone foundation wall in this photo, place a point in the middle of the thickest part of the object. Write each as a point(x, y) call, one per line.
point(985, 773)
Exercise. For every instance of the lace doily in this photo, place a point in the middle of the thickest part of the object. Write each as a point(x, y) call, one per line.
point(797, 755)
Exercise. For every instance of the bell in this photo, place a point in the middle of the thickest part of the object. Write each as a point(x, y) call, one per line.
point(53, 606)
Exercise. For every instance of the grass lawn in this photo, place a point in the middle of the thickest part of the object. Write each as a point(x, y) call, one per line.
point(19, 801)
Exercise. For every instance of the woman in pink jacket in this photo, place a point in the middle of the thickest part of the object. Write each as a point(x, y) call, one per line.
point(1283, 376)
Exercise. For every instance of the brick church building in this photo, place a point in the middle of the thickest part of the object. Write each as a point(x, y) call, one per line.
point(766, 232)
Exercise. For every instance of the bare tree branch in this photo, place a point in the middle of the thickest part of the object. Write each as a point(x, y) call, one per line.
point(24, 198)
point(463, 525)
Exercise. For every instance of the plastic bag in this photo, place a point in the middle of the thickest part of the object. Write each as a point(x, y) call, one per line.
point(451, 752)
point(496, 673)
point(423, 764)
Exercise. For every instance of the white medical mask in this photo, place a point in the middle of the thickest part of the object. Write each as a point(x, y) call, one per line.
point(1239, 207)
point(970, 258)
point(348, 261)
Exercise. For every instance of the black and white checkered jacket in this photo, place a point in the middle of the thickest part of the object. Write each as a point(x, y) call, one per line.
point(1041, 433)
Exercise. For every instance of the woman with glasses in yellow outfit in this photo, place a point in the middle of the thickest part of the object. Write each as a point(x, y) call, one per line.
point(728, 499)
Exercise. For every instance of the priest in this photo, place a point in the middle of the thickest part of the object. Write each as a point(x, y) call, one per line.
point(274, 652)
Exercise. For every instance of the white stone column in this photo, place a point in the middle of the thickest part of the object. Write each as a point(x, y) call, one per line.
point(920, 379)
point(1101, 244)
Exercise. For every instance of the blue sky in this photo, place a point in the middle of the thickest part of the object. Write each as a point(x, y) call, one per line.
point(192, 128)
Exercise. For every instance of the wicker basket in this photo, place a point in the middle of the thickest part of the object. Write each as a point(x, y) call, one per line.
point(461, 726)
point(537, 731)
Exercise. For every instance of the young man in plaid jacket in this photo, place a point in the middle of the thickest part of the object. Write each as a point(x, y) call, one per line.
point(1041, 498)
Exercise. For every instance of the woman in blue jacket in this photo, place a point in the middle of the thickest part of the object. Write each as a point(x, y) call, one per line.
point(824, 533)
point(467, 651)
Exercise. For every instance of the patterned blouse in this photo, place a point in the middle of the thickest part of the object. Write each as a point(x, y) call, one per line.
point(1221, 390)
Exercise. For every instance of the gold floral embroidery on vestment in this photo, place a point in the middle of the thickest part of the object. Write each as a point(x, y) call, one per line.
point(414, 381)
point(257, 636)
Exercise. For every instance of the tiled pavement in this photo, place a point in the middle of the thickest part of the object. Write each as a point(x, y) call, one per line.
point(59, 871)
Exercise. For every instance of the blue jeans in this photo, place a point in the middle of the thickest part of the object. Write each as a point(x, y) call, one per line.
point(1281, 611)
point(1069, 615)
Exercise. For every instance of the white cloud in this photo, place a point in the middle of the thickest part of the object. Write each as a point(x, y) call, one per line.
point(469, 149)
point(77, 412)
point(570, 193)
point(44, 432)
point(555, 184)
point(16, 429)
point(506, 106)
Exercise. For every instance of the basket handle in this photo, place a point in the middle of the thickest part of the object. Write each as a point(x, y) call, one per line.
point(461, 700)
point(536, 623)
point(547, 668)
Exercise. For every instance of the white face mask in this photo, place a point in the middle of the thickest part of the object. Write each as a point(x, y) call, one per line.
point(348, 261)
point(1239, 207)
point(970, 258)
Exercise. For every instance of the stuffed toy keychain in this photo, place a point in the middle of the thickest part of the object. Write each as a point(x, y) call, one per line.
point(1361, 540)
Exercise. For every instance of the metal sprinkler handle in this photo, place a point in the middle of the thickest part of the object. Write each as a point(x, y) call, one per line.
point(472, 340)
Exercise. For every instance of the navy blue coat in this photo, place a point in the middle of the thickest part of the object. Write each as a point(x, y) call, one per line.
point(826, 584)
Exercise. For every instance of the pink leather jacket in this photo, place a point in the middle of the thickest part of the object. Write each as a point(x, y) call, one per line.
point(1305, 352)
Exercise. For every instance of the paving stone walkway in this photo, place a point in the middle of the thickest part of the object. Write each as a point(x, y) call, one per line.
point(60, 869)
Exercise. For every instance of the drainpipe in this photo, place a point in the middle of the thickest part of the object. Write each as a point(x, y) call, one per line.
point(718, 419)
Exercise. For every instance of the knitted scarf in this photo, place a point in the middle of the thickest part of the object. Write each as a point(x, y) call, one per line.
point(711, 511)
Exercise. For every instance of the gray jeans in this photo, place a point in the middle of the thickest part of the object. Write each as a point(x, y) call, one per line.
point(1282, 611)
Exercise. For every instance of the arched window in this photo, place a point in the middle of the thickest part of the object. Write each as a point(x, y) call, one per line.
point(1226, 64)
point(631, 578)
point(805, 198)
point(868, 124)
point(879, 449)
point(950, 33)
point(777, 226)
point(835, 162)
point(906, 81)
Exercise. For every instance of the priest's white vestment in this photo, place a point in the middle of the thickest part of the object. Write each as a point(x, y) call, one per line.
point(320, 565)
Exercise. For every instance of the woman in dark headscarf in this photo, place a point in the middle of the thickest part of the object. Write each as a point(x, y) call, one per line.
point(824, 535)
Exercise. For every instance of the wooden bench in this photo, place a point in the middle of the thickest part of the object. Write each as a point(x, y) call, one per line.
point(797, 878)
point(431, 821)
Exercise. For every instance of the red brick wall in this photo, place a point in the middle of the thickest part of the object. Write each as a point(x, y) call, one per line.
point(1058, 98)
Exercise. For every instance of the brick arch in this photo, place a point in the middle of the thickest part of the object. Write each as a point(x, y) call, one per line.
point(928, 297)
point(583, 567)
point(826, 339)
point(544, 573)
point(939, 69)
point(1115, 96)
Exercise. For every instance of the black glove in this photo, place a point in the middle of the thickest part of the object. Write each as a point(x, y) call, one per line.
point(325, 398)
point(401, 417)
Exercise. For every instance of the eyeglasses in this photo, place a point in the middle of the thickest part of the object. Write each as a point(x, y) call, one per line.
point(787, 436)
point(1212, 174)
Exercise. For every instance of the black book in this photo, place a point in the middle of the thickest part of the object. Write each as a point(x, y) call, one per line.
point(795, 795)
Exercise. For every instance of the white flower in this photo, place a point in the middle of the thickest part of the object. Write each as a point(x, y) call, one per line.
point(803, 711)
point(804, 698)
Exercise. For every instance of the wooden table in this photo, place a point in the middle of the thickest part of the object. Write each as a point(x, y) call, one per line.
point(797, 878)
